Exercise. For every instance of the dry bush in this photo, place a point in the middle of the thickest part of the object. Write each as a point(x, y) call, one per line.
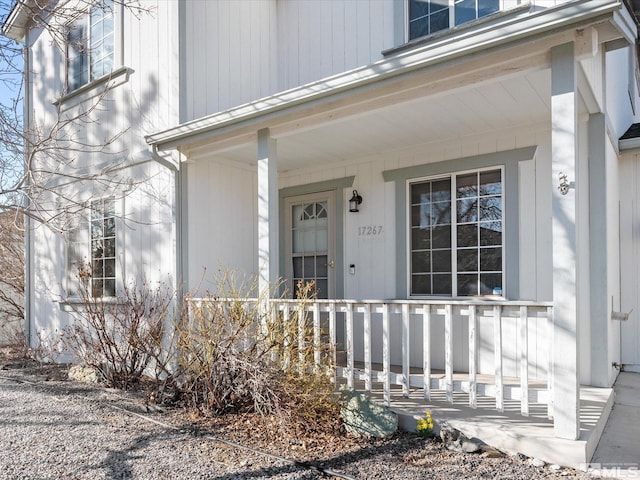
point(240, 356)
point(124, 337)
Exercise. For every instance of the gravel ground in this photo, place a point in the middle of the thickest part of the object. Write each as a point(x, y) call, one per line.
point(52, 428)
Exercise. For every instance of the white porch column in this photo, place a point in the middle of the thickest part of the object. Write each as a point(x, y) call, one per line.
point(598, 252)
point(267, 210)
point(564, 124)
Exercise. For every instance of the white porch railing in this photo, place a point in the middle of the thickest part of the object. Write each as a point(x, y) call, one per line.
point(451, 344)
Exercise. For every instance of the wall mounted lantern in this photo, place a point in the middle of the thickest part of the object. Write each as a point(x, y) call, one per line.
point(354, 202)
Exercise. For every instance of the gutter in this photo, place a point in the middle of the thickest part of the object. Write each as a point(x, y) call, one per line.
point(519, 26)
point(628, 144)
point(16, 24)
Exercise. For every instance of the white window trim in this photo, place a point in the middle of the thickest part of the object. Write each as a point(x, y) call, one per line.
point(85, 17)
point(119, 252)
point(454, 240)
point(510, 159)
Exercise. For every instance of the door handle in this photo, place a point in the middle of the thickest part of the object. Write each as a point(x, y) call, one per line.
point(331, 264)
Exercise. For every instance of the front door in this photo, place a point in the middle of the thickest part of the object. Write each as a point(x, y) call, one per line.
point(310, 243)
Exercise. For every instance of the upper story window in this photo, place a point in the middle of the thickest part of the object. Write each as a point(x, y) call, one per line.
point(90, 47)
point(456, 234)
point(427, 17)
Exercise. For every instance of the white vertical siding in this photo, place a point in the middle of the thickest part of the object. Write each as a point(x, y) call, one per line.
point(230, 49)
point(237, 52)
point(141, 102)
point(630, 257)
point(618, 103)
point(222, 225)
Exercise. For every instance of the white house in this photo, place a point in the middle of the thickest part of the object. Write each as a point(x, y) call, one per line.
point(498, 226)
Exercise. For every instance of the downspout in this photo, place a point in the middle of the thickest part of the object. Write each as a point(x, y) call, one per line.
point(177, 225)
point(26, 122)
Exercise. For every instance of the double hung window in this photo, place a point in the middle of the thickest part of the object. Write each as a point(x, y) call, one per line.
point(90, 46)
point(456, 241)
point(103, 248)
point(427, 17)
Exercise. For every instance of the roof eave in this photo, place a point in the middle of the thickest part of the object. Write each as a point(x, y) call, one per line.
point(628, 144)
point(17, 22)
point(565, 15)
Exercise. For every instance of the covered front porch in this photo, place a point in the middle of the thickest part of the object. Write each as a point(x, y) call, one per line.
point(476, 101)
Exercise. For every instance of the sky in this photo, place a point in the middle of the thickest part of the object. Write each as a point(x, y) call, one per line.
point(9, 91)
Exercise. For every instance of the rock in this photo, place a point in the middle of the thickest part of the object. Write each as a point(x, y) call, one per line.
point(555, 466)
point(362, 416)
point(536, 462)
point(448, 434)
point(83, 373)
point(491, 452)
point(455, 440)
point(470, 446)
point(521, 456)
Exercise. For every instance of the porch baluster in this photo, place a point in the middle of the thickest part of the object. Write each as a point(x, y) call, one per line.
point(316, 335)
point(286, 357)
point(301, 332)
point(332, 338)
point(367, 346)
point(497, 351)
point(448, 352)
point(426, 350)
point(386, 355)
point(350, 353)
point(550, 363)
point(473, 367)
point(406, 359)
point(524, 361)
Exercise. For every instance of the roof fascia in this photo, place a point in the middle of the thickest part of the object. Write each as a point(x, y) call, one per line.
point(16, 24)
point(465, 42)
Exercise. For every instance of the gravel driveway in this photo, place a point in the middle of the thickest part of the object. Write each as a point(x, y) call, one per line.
point(55, 429)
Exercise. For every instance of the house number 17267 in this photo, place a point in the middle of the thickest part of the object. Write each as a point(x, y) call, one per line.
point(368, 230)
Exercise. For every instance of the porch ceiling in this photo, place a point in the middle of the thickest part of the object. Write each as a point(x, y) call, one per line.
point(519, 100)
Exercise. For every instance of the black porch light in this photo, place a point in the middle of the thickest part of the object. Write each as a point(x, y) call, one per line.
point(354, 202)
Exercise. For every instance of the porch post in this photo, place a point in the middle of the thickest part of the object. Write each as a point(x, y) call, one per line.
point(598, 252)
point(566, 390)
point(267, 211)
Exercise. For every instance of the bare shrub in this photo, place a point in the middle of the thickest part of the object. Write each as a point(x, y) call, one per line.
point(123, 337)
point(238, 355)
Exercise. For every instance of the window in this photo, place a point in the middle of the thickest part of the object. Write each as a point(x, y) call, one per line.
point(427, 17)
point(456, 225)
point(103, 248)
point(90, 46)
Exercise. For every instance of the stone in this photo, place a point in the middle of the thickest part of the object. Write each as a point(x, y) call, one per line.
point(83, 373)
point(448, 434)
point(455, 440)
point(555, 466)
point(536, 462)
point(470, 446)
point(491, 452)
point(362, 416)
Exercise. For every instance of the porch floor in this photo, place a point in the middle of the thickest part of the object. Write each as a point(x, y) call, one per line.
point(508, 431)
